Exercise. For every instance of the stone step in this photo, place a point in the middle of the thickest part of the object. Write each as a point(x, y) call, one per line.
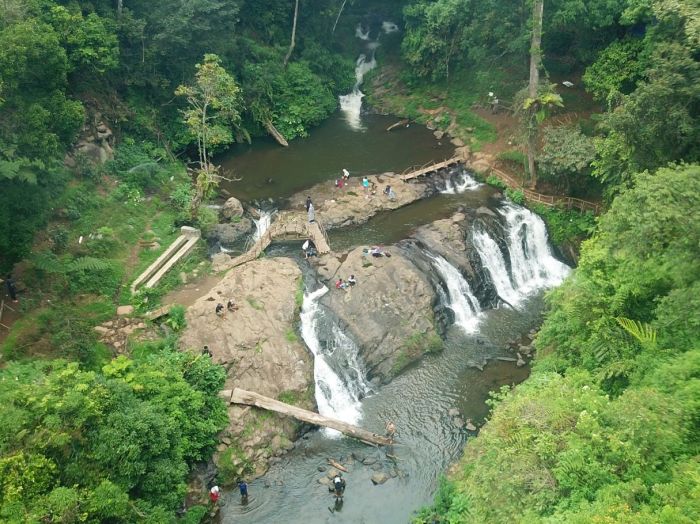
point(176, 257)
point(160, 261)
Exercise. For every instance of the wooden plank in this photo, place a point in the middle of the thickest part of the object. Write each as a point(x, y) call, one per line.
point(250, 398)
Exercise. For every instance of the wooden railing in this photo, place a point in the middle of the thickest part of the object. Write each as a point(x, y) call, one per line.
point(547, 200)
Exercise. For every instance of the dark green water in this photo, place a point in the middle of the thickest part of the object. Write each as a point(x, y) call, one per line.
point(268, 170)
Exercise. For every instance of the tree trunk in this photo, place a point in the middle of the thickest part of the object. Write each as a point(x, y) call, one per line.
point(340, 12)
point(275, 134)
point(294, 34)
point(535, 59)
point(240, 396)
point(120, 6)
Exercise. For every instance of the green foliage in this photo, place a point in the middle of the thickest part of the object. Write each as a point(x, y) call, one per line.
point(176, 318)
point(616, 71)
point(565, 158)
point(566, 225)
point(516, 195)
point(494, 181)
point(103, 444)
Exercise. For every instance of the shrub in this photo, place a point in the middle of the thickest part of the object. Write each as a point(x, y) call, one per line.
point(496, 182)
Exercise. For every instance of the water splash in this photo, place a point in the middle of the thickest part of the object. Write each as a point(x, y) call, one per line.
point(361, 33)
point(463, 303)
point(492, 259)
point(389, 27)
point(333, 397)
point(532, 265)
point(463, 182)
point(262, 224)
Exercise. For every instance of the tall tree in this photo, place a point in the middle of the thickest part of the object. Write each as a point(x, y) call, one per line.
point(535, 60)
point(213, 115)
point(294, 34)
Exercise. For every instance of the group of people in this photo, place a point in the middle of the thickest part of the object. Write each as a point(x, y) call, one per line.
point(230, 306)
point(344, 284)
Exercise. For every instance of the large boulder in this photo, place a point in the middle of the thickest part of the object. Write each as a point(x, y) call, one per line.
point(389, 311)
point(232, 208)
point(228, 234)
point(258, 345)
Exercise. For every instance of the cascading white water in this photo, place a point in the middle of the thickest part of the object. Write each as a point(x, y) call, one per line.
point(463, 183)
point(262, 224)
point(333, 398)
point(532, 264)
point(351, 104)
point(465, 305)
point(492, 260)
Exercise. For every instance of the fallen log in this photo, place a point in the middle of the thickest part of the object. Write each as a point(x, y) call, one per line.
point(275, 134)
point(250, 398)
point(400, 123)
point(337, 465)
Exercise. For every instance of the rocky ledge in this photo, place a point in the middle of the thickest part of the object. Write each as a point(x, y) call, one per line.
point(389, 311)
point(258, 345)
point(352, 205)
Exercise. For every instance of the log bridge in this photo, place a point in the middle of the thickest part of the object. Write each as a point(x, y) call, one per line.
point(250, 398)
point(431, 167)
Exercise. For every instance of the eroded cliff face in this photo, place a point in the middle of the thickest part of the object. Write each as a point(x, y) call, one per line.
point(259, 347)
point(389, 312)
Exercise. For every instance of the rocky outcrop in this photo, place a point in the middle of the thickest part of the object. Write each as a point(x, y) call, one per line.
point(229, 233)
point(232, 208)
point(258, 345)
point(451, 238)
point(389, 311)
point(352, 205)
point(96, 143)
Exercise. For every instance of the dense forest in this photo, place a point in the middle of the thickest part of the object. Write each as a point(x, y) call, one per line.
point(606, 427)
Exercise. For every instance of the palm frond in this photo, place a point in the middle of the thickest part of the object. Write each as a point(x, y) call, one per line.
point(642, 331)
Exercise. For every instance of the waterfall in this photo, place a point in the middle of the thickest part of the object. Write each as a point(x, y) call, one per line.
point(333, 397)
point(492, 260)
point(462, 301)
point(463, 182)
point(532, 264)
point(351, 104)
point(262, 224)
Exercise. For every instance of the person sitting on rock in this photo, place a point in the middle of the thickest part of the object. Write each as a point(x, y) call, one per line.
point(351, 280)
point(231, 305)
point(219, 310)
point(341, 284)
point(375, 251)
point(339, 183)
point(206, 351)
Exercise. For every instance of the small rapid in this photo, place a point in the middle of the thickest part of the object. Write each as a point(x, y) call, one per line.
point(339, 379)
point(461, 183)
point(262, 224)
point(493, 261)
point(533, 266)
point(463, 303)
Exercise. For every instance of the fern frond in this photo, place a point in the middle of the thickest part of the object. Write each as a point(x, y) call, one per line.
point(89, 264)
point(643, 332)
point(48, 263)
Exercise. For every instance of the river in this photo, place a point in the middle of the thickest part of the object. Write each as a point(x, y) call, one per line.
point(418, 400)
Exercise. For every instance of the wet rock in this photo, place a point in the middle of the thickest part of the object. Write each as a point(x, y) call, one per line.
point(453, 412)
point(232, 208)
point(438, 134)
point(476, 365)
point(458, 422)
point(457, 142)
point(369, 461)
point(376, 467)
point(325, 481)
point(322, 468)
point(483, 210)
point(359, 456)
point(469, 426)
point(379, 478)
point(521, 362)
point(228, 234)
point(332, 472)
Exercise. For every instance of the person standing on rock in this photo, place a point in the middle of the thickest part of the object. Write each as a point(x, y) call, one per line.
point(365, 186)
point(214, 494)
point(311, 213)
point(219, 310)
point(308, 202)
point(346, 174)
point(339, 485)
